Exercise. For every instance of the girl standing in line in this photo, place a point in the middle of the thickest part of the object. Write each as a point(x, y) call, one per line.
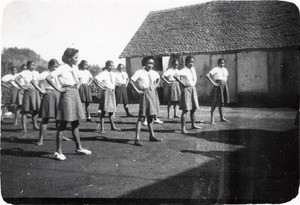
point(31, 97)
point(219, 96)
point(107, 81)
point(86, 79)
point(50, 99)
point(174, 88)
point(147, 107)
point(8, 81)
point(122, 81)
point(189, 99)
point(69, 106)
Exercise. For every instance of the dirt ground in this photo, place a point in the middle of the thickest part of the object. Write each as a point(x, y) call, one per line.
point(252, 159)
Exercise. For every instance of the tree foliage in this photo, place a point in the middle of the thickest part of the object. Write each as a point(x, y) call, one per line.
point(17, 57)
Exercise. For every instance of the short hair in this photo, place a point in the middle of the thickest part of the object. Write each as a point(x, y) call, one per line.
point(188, 59)
point(81, 64)
point(220, 60)
point(120, 64)
point(52, 62)
point(146, 58)
point(23, 67)
point(107, 63)
point(12, 67)
point(29, 63)
point(174, 61)
point(69, 53)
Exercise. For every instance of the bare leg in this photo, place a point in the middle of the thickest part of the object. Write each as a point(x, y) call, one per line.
point(138, 130)
point(102, 122)
point(127, 111)
point(151, 130)
point(175, 111)
point(75, 133)
point(4, 110)
point(183, 121)
point(62, 126)
point(221, 114)
point(34, 120)
point(193, 120)
point(88, 115)
point(63, 137)
point(112, 122)
point(168, 108)
point(43, 128)
point(212, 118)
point(24, 122)
point(17, 114)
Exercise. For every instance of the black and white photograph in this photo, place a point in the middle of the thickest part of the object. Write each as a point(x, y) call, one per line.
point(150, 102)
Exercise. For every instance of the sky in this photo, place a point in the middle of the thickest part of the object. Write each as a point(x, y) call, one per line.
point(100, 29)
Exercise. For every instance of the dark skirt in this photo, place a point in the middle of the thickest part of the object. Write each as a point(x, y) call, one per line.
point(148, 104)
point(69, 107)
point(174, 92)
point(20, 98)
point(49, 104)
point(31, 101)
point(14, 96)
point(220, 94)
point(108, 101)
point(121, 95)
point(85, 93)
point(189, 99)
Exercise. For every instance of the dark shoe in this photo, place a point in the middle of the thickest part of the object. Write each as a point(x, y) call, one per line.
point(89, 120)
point(130, 115)
point(154, 139)
point(137, 143)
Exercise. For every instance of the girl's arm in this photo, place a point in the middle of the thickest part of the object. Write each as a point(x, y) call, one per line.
point(99, 84)
point(176, 76)
point(164, 79)
point(18, 82)
point(211, 80)
point(35, 85)
point(135, 88)
point(5, 85)
point(50, 82)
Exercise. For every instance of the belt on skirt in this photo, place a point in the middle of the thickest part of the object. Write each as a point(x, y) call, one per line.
point(70, 86)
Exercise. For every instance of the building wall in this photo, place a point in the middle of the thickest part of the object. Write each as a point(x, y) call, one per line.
point(256, 78)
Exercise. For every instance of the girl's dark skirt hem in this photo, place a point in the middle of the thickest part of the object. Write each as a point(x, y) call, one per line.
point(49, 104)
point(174, 92)
point(69, 107)
point(189, 99)
point(31, 101)
point(220, 94)
point(148, 104)
point(121, 95)
point(85, 93)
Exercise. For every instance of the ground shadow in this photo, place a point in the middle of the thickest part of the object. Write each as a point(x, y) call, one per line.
point(265, 169)
point(106, 139)
point(18, 152)
point(14, 139)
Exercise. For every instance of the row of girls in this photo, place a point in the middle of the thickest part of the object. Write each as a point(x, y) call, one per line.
point(64, 89)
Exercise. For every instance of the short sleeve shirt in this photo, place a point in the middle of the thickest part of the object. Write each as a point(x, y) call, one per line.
point(143, 77)
point(107, 78)
point(121, 77)
point(85, 75)
point(219, 73)
point(188, 75)
point(28, 76)
point(9, 78)
point(66, 75)
point(44, 84)
point(170, 74)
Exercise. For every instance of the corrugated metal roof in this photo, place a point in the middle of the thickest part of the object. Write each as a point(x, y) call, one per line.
point(216, 27)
